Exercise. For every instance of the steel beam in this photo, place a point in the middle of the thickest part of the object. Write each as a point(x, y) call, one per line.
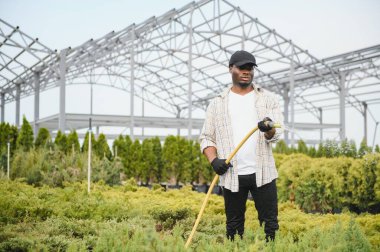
point(190, 74)
point(132, 84)
point(291, 83)
point(342, 110)
point(2, 95)
point(18, 93)
point(320, 122)
point(365, 106)
point(286, 113)
point(36, 102)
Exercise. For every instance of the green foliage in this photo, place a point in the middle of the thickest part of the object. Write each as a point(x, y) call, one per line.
point(106, 171)
point(302, 148)
point(73, 142)
point(176, 158)
point(331, 149)
point(60, 141)
point(25, 136)
point(148, 165)
point(319, 187)
point(377, 149)
point(363, 180)
point(157, 150)
point(281, 147)
point(112, 219)
point(7, 133)
point(43, 138)
point(312, 152)
point(135, 159)
point(290, 172)
point(101, 148)
point(364, 149)
point(85, 142)
point(167, 218)
point(348, 149)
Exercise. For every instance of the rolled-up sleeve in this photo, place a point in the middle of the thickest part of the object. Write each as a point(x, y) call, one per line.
point(207, 137)
point(277, 118)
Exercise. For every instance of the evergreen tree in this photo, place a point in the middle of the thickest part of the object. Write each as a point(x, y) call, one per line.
point(73, 142)
point(175, 155)
point(134, 160)
point(281, 147)
point(85, 142)
point(61, 141)
point(148, 161)
point(312, 152)
point(102, 149)
point(321, 150)
point(157, 150)
point(344, 148)
point(302, 148)
point(118, 147)
point(331, 149)
point(352, 149)
point(196, 162)
point(364, 149)
point(43, 137)
point(25, 137)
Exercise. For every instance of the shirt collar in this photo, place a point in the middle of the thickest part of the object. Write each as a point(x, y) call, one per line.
point(257, 90)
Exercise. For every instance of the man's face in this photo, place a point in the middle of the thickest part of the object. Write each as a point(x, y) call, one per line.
point(242, 76)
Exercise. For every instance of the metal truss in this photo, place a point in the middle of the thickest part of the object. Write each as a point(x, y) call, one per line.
point(178, 62)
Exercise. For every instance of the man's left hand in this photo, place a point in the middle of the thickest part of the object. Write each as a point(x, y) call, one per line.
point(265, 125)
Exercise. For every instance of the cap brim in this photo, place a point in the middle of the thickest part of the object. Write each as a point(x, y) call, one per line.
point(244, 62)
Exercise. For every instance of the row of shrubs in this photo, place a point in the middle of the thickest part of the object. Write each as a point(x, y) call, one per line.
point(330, 184)
point(315, 184)
point(118, 219)
point(327, 149)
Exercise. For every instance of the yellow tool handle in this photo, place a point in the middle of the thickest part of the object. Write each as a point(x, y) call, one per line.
point(275, 125)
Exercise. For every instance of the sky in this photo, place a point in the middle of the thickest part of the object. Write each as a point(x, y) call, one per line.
point(323, 27)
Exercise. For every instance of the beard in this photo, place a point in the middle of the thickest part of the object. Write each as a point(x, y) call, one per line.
point(245, 84)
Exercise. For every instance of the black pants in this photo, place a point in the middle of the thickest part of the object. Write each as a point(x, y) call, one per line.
point(265, 198)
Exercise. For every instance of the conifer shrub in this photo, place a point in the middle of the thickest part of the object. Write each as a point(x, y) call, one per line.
point(166, 218)
point(319, 187)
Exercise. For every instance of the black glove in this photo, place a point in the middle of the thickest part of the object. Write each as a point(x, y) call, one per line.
point(265, 125)
point(220, 166)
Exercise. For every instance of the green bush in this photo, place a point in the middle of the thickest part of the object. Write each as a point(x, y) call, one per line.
point(319, 187)
point(363, 181)
point(167, 218)
point(290, 171)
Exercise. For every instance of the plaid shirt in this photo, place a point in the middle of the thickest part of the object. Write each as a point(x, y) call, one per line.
point(217, 132)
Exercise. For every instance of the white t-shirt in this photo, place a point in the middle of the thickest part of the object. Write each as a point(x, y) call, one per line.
point(243, 115)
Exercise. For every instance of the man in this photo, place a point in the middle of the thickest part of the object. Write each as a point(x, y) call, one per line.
point(230, 116)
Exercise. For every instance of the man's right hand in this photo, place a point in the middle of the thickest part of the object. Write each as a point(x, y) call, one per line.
point(220, 166)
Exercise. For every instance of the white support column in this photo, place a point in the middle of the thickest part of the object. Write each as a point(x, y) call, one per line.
point(132, 84)
point(320, 122)
point(286, 113)
point(36, 102)
point(2, 107)
point(142, 108)
point(342, 110)
point(62, 91)
point(89, 158)
point(365, 121)
point(178, 116)
point(291, 82)
point(18, 93)
point(190, 67)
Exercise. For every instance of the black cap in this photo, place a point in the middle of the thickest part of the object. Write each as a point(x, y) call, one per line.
point(240, 58)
